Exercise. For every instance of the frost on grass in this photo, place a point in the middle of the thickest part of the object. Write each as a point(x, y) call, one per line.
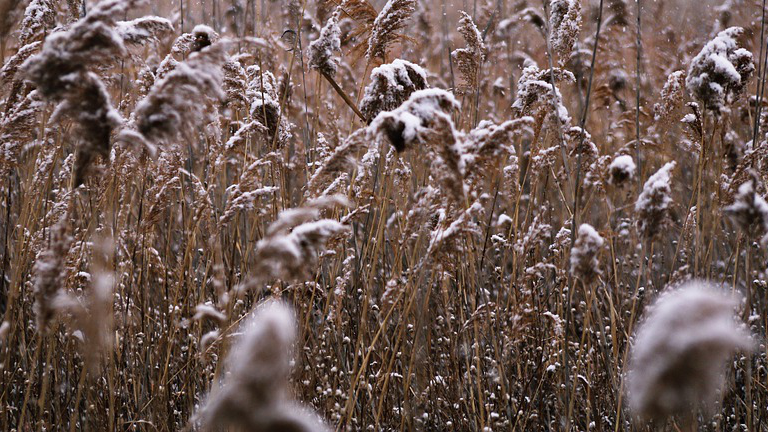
point(652, 206)
point(391, 85)
point(681, 349)
point(719, 74)
point(254, 395)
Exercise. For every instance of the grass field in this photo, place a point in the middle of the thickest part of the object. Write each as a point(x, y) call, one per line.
point(486, 215)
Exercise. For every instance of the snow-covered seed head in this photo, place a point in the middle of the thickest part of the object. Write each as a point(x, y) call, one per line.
point(671, 101)
point(177, 101)
point(621, 170)
point(584, 263)
point(652, 205)
point(749, 210)
point(391, 85)
point(322, 51)
point(720, 72)
point(680, 351)
point(254, 395)
point(387, 25)
point(564, 27)
point(469, 58)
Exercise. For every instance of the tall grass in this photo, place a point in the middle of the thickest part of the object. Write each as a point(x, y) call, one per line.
point(383, 215)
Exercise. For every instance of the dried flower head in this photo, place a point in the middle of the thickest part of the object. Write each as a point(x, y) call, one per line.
point(621, 170)
point(719, 74)
point(652, 205)
point(386, 27)
point(469, 58)
point(254, 395)
point(584, 263)
point(391, 85)
point(564, 27)
point(681, 349)
point(322, 52)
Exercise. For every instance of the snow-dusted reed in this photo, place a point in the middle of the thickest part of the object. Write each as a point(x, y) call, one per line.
point(681, 349)
point(382, 215)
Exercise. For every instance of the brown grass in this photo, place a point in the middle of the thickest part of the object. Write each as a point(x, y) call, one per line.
point(161, 187)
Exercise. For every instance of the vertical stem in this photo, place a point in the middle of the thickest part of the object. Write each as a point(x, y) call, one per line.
point(181, 14)
point(576, 192)
point(761, 78)
point(639, 47)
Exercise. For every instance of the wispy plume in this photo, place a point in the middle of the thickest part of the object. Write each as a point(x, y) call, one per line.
point(469, 58)
point(254, 395)
point(681, 349)
point(652, 205)
point(178, 101)
point(719, 74)
point(386, 27)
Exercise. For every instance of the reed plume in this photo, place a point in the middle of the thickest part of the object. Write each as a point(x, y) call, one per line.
point(387, 26)
point(564, 27)
point(584, 255)
point(391, 85)
point(179, 100)
point(652, 206)
point(681, 349)
point(720, 72)
point(469, 58)
point(254, 395)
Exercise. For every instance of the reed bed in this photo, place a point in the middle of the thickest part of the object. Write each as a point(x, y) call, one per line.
point(353, 215)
